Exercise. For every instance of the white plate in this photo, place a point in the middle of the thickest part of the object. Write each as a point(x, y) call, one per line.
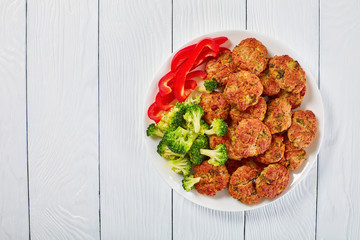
point(223, 201)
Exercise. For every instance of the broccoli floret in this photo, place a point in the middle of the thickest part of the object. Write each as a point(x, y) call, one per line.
point(209, 86)
point(154, 131)
point(203, 126)
point(172, 119)
point(218, 156)
point(201, 142)
point(181, 165)
point(164, 151)
point(179, 140)
point(189, 182)
point(193, 116)
point(189, 101)
point(218, 127)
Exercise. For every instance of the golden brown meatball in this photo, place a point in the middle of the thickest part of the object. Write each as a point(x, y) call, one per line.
point(287, 73)
point(293, 159)
point(220, 68)
point(251, 162)
point(212, 179)
point(250, 55)
point(272, 180)
point(243, 90)
point(303, 128)
point(278, 115)
point(275, 152)
point(271, 87)
point(251, 138)
point(293, 98)
point(242, 185)
point(215, 106)
point(256, 111)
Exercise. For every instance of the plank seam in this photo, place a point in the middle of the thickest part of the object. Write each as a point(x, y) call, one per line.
point(27, 118)
point(318, 156)
point(99, 165)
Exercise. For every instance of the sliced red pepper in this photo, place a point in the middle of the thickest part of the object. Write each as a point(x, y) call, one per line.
point(164, 102)
point(184, 53)
point(179, 83)
point(194, 74)
point(154, 112)
point(203, 57)
point(164, 83)
point(190, 84)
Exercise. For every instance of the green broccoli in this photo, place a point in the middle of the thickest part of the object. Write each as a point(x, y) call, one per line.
point(189, 182)
point(201, 142)
point(203, 126)
point(193, 116)
point(181, 165)
point(209, 86)
point(218, 127)
point(179, 140)
point(154, 131)
point(164, 151)
point(172, 119)
point(189, 101)
point(218, 156)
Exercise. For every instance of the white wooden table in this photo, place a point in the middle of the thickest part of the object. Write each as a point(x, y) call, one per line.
point(73, 163)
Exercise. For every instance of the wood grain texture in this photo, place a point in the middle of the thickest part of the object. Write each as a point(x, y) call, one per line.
point(192, 19)
point(135, 39)
point(295, 23)
point(13, 163)
point(339, 188)
point(63, 119)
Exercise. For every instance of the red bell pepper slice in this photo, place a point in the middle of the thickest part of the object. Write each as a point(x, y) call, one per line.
point(154, 112)
point(190, 84)
point(164, 83)
point(179, 83)
point(184, 53)
point(164, 102)
point(194, 74)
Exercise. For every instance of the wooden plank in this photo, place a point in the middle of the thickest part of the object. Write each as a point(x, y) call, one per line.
point(13, 172)
point(135, 39)
point(295, 23)
point(338, 187)
point(63, 119)
point(192, 19)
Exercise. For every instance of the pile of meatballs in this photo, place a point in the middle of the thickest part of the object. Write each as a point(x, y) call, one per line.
point(266, 138)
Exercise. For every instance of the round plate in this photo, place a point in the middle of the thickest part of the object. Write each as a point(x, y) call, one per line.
point(223, 201)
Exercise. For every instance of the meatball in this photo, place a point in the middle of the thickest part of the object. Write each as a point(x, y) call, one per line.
point(293, 159)
point(303, 128)
point(212, 179)
point(220, 68)
point(215, 106)
point(251, 138)
point(243, 90)
point(278, 115)
point(272, 180)
point(256, 111)
point(228, 141)
point(242, 185)
point(271, 87)
point(250, 55)
point(275, 152)
point(287, 73)
point(293, 98)
point(289, 146)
